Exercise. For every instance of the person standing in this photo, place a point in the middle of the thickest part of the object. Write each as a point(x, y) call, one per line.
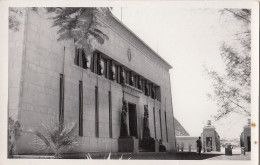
point(199, 145)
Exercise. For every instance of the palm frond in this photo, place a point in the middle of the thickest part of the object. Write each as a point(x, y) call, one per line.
point(43, 138)
point(80, 24)
point(57, 139)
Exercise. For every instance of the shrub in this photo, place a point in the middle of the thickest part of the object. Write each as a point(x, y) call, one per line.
point(14, 133)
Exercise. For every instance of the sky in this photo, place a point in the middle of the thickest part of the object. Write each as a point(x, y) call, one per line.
point(188, 39)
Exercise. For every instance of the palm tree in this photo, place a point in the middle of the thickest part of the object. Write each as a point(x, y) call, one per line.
point(56, 139)
point(81, 25)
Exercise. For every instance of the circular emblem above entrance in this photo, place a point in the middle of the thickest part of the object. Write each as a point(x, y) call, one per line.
point(129, 56)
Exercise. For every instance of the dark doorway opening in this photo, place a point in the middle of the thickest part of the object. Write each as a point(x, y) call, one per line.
point(132, 120)
point(209, 143)
point(249, 143)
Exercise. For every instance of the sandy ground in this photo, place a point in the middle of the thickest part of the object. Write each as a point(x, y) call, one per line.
point(236, 155)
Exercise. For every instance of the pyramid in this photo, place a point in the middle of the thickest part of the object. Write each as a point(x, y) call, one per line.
point(179, 130)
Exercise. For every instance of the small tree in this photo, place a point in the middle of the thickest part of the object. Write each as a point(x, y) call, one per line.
point(14, 133)
point(232, 88)
point(56, 139)
point(14, 18)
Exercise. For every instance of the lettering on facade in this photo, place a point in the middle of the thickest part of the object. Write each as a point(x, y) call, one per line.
point(131, 90)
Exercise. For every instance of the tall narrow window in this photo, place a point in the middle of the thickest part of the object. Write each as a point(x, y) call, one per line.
point(139, 85)
point(126, 77)
point(105, 68)
point(160, 124)
point(92, 66)
point(100, 65)
point(131, 78)
point(61, 105)
point(80, 109)
point(116, 73)
point(80, 58)
point(95, 69)
point(96, 112)
point(154, 123)
point(166, 126)
point(110, 114)
point(83, 59)
point(108, 70)
point(143, 86)
point(135, 82)
point(76, 59)
point(154, 91)
point(112, 71)
point(96, 63)
point(158, 93)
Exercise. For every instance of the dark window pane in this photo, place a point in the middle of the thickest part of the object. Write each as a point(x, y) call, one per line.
point(80, 109)
point(110, 114)
point(160, 124)
point(166, 126)
point(84, 60)
point(76, 59)
point(154, 123)
point(116, 73)
point(96, 112)
point(105, 68)
point(61, 105)
point(127, 77)
point(92, 66)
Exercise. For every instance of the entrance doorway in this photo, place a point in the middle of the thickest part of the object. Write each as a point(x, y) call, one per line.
point(132, 120)
point(249, 143)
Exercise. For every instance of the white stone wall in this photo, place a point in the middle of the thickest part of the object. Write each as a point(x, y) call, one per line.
point(39, 97)
point(15, 58)
point(45, 59)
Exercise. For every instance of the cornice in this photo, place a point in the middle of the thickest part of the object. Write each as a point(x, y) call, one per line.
point(148, 52)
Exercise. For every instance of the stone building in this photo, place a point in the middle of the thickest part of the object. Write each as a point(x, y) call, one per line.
point(49, 80)
point(245, 137)
point(210, 138)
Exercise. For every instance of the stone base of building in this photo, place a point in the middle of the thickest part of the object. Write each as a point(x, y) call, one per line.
point(149, 145)
point(128, 145)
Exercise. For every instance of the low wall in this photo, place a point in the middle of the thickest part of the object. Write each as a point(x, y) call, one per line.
point(186, 141)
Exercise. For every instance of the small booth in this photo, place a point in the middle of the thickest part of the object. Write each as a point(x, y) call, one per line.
point(210, 138)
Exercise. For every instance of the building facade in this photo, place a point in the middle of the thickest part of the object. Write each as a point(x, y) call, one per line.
point(51, 80)
point(245, 137)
